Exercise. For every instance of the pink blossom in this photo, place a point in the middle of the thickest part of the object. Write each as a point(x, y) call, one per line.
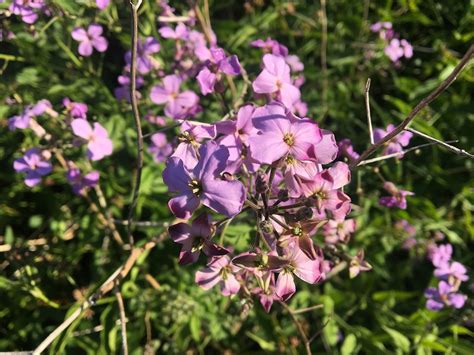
point(220, 272)
point(90, 39)
point(99, 144)
point(397, 198)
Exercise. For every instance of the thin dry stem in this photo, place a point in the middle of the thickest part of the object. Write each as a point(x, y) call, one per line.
point(421, 105)
point(136, 115)
point(123, 320)
point(306, 342)
point(444, 144)
point(367, 108)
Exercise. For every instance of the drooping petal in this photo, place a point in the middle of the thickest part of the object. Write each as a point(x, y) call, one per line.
point(81, 128)
point(225, 197)
point(183, 206)
point(285, 285)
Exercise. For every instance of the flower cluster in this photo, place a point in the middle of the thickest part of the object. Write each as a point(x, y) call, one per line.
point(395, 48)
point(450, 275)
point(28, 10)
point(36, 162)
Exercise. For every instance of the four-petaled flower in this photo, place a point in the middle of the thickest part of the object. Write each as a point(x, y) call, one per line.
point(397, 198)
point(177, 103)
point(396, 144)
point(90, 39)
point(219, 271)
point(99, 144)
point(443, 295)
point(34, 165)
point(194, 238)
point(203, 184)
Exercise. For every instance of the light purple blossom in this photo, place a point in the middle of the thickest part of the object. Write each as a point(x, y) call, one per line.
point(102, 4)
point(90, 39)
point(346, 149)
point(397, 198)
point(275, 79)
point(23, 120)
point(217, 64)
point(358, 265)
point(219, 271)
point(300, 265)
point(194, 238)
point(99, 144)
point(203, 184)
point(441, 254)
point(442, 296)
point(160, 148)
point(271, 46)
point(281, 133)
point(33, 165)
point(75, 109)
point(81, 183)
point(177, 104)
point(145, 50)
point(180, 32)
point(397, 143)
point(27, 9)
point(453, 272)
point(397, 49)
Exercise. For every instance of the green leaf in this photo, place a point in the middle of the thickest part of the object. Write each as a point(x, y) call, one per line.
point(400, 341)
point(349, 345)
point(264, 344)
point(195, 328)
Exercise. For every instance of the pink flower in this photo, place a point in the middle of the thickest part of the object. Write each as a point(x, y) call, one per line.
point(90, 39)
point(219, 271)
point(300, 265)
point(80, 183)
point(282, 133)
point(194, 238)
point(397, 198)
point(98, 143)
point(102, 4)
point(180, 32)
point(443, 295)
point(358, 264)
point(275, 79)
point(159, 147)
point(397, 143)
point(177, 104)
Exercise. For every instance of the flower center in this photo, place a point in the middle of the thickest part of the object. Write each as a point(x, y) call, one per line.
point(289, 139)
point(195, 186)
point(279, 84)
point(289, 160)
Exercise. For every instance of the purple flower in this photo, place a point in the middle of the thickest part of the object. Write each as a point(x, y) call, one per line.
point(80, 183)
point(441, 254)
point(443, 296)
point(282, 134)
point(123, 92)
point(102, 4)
point(177, 103)
point(203, 184)
point(194, 238)
point(34, 165)
point(454, 272)
point(266, 292)
point(180, 32)
point(27, 9)
point(358, 264)
point(378, 26)
point(396, 144)
point(397, 49)
point(219, 271)
point(75, 109)
point(160, 148)
point(300, 265)
point(99, 144)
point(90, 39)
point(271, 46)
point(397, 198)
point(346, 149)
point(23, 120)
point(275, 79)
point(192, 133)
point(215, 65)
point(145, 50)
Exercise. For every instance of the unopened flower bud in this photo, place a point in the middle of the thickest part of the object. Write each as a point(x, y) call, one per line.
point(261, 183)
point(304, 213)
point(283, 195)
point(266, 226)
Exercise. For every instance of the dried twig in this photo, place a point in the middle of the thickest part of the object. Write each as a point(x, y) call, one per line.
point(299, 327)
point(367, 108)
point(123, 319)
point(399, 154)
point(118, 275)
point(437, 141)
point(136, 115)
point(421, 105)
point(307, 309)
